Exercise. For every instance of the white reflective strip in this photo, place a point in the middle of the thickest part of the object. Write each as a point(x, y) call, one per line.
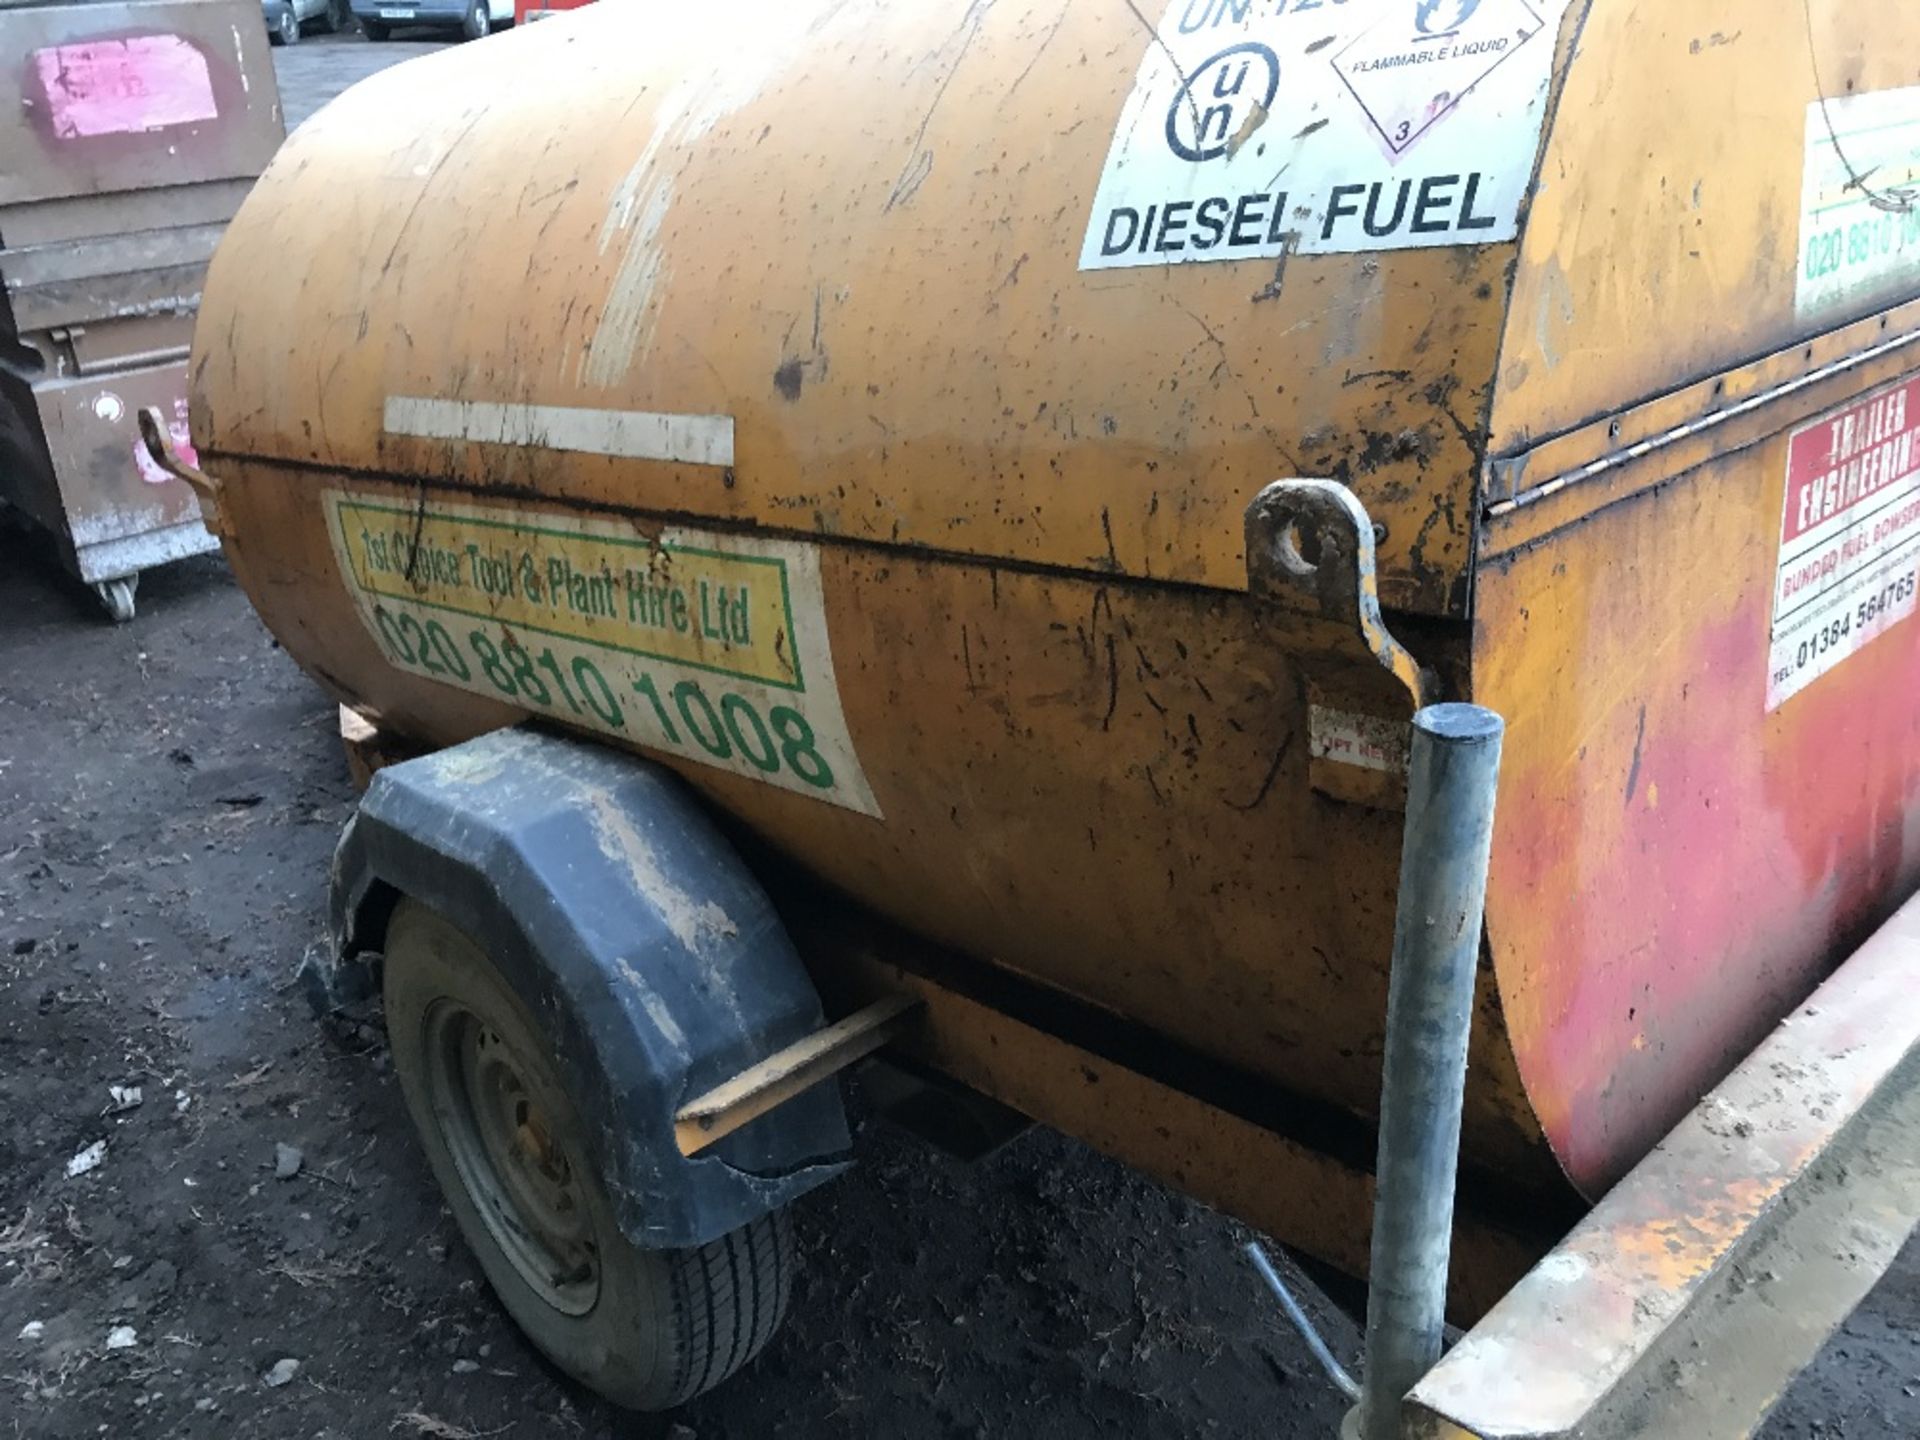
point(634, 434)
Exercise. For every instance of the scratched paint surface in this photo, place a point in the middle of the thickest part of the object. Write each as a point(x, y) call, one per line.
point(1102, 786)
point(1713, 206)
point(855, 228)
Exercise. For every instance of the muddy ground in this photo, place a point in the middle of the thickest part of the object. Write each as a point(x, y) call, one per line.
point(169, 793)
point(172, 790)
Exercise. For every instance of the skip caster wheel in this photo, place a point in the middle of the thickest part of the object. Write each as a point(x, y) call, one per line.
point(648, 1329)
point(117, 596)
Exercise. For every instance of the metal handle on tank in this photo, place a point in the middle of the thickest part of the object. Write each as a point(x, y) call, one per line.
point(1451, 779)
point(158, 440)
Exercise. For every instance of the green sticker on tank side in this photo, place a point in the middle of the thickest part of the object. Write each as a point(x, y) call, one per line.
point(706, 647)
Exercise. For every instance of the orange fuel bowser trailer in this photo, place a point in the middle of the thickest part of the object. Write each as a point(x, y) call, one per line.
point(967, 502)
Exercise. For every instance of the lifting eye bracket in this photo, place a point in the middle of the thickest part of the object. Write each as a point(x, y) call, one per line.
point(1310, 556)
point(1310, 573)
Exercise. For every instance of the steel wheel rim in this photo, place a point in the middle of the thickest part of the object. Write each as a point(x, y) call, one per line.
point(523, 1182)
point(289, 23)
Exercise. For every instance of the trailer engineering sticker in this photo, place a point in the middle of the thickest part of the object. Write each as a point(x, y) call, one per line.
point(707, 647)
point(1859, 199)
point(1849, 537)
point(1264, 128)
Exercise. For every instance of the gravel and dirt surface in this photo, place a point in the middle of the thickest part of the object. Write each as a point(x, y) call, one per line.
point(258, 1250)
point(321, 66)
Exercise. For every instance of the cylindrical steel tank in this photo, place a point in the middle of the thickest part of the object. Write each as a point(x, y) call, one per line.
point(855, 406)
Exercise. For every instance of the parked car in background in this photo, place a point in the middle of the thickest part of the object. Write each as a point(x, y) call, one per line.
point(285, 17)
point(473, 18)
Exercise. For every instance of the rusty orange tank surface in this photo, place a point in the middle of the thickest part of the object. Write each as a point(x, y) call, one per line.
point(857, 407)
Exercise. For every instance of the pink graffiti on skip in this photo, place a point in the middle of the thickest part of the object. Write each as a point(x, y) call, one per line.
point(176, 427)
point(120, 87)
point(152, 473)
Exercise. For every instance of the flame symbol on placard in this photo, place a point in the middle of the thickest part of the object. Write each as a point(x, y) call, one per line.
point(1440, 17)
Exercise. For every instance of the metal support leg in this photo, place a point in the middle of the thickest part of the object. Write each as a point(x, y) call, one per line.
point(1436, 947)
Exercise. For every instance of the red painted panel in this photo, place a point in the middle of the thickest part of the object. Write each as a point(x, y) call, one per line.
point(1676, 865)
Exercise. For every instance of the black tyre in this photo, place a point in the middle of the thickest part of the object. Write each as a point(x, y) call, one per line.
point(479, 22)
point(286, 26)
point(338, 16)
point(648, 1329)
point(377, 30)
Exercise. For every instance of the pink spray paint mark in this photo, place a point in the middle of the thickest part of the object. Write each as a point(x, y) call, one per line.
point(121, 87)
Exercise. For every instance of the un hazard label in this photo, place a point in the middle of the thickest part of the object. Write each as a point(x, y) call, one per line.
point(1849, 537)
point(1260, 128)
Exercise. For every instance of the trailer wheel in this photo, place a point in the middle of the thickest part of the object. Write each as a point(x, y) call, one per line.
point(648, 1329)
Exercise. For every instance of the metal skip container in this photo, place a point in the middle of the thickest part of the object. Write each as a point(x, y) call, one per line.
point(1025, 467)
point(129, 133)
